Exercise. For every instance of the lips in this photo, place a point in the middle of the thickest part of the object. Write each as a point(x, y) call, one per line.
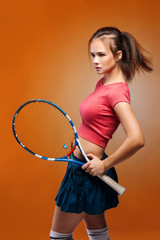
point(98, 68)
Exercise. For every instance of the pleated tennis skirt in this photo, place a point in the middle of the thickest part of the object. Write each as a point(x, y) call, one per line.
point(80, 192)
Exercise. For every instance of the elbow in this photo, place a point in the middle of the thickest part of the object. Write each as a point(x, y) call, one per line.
point(139, 142)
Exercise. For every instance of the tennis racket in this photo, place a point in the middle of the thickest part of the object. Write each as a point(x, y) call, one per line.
point(46, 131)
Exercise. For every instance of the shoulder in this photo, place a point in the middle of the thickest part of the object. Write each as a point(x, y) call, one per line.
point(118, 89)
point(118, 92)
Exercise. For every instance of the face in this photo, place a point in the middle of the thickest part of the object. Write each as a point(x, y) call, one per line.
point(102, 57)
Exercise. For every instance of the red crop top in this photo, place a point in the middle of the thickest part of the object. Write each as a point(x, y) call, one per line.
point(99, 120)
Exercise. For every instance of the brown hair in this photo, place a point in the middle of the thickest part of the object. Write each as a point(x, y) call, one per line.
point(133, 59)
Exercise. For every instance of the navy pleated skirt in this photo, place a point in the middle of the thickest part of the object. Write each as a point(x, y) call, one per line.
point(80, 192)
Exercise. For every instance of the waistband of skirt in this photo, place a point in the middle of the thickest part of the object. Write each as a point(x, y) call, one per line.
point(78, 159)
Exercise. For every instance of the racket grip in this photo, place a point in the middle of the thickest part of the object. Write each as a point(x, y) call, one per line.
point(113, 184)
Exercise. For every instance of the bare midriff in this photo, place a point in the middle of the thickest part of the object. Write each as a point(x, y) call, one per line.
point(88, 147)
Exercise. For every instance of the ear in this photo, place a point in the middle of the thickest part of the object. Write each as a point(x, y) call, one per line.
point(118, 55)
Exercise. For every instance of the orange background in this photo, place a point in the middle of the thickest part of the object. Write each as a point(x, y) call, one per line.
point(44, 55)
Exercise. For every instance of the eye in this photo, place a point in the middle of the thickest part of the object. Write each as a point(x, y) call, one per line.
point(92, 55)
point(102, 54)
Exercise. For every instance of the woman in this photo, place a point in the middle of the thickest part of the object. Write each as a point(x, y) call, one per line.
point(117, 56)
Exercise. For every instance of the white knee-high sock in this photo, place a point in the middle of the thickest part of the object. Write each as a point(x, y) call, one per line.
point(98, 234)
point(60, 236)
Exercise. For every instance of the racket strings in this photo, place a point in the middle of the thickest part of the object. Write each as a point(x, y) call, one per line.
point(44, 129)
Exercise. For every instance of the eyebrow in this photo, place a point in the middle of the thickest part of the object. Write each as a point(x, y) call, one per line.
point(98, 52)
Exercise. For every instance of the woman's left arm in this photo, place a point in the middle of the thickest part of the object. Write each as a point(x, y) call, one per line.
point(133, 142)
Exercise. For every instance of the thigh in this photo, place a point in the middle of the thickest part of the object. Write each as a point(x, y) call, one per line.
point(95, 221)
point(64, 222)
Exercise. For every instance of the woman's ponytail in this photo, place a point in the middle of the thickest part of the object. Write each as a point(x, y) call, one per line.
point(133, 58)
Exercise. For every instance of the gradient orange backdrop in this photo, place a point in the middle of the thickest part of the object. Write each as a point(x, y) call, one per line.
point(44, 55)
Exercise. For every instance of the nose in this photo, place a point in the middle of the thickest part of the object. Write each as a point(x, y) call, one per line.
point(95, 60)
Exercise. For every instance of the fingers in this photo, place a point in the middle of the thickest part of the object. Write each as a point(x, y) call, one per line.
point(85, 166)
point(93, 167)
point(88, 168)
point(88, 164)
point(90, 156)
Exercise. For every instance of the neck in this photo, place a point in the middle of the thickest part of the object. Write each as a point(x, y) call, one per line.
point(114, 76)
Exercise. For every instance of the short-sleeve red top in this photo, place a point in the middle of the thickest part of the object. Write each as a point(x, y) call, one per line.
point(99, 120)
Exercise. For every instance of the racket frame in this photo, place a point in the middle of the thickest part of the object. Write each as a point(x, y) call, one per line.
point(62, 159)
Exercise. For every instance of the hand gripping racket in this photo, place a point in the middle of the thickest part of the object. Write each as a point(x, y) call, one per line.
point(47, 132)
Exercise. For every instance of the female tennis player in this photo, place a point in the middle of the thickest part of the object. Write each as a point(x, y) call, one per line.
point(116, 56)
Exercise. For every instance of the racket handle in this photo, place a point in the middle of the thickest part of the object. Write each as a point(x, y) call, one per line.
point(113, 184)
